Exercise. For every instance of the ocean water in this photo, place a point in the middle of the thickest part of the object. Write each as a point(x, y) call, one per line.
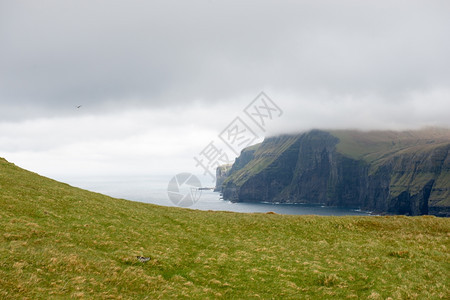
point(154, 190)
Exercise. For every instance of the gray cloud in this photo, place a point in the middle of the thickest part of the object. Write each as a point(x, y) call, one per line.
point(57, 54)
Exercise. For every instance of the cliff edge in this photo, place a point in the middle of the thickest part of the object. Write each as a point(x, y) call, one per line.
point(391, 172)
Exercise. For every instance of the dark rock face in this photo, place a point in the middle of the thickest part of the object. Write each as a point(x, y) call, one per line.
point(411, 179)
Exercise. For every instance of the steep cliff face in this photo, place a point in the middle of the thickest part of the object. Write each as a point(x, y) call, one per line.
point(222, 173)
point(391, 172)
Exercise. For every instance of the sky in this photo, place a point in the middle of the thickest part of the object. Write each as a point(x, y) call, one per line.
point(158, 81)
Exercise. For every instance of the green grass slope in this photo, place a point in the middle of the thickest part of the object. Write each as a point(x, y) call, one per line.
point(265, 154)
point(59, 242)
point(376, 145)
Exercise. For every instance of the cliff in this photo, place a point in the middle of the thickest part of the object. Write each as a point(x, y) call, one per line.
point(383, 171)
point(222, 172)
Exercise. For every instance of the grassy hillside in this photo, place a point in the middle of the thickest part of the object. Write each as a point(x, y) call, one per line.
point(378, 145)
point(57, 241)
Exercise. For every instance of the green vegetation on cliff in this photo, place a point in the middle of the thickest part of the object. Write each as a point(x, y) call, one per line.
point(418, 157)
point(255, 159)
point(376, 145)
point(59, 242)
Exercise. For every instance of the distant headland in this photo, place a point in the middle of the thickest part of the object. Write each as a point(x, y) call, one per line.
point(393, 172)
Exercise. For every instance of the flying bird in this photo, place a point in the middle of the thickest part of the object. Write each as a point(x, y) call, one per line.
point(79, 106)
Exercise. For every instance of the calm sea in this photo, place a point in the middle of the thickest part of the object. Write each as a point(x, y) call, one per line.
point(154, 190)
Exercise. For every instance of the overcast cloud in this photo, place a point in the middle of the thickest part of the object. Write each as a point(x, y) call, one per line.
point(158, 80)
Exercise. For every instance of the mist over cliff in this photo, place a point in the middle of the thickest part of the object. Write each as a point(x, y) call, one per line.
point(405, 172)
